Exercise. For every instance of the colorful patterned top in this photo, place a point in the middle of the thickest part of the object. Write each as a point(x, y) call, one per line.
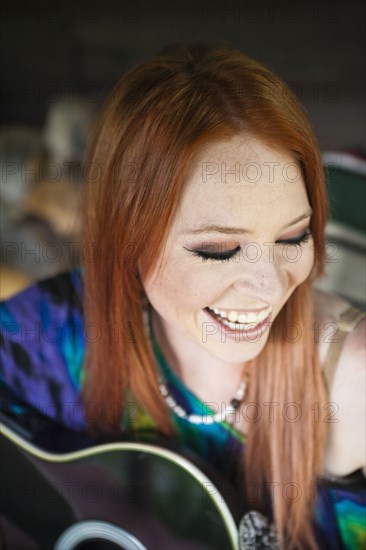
point(42, 344)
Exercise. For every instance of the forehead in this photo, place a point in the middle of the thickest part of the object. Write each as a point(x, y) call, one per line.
point(241, 180)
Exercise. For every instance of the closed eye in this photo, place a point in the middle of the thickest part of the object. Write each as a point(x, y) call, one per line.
point(225, 256)
point(219, 256)
point(298, 240)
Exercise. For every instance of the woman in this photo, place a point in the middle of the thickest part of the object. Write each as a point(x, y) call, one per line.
point(203, 230)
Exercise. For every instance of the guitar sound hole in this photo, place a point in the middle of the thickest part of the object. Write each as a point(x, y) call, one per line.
point(99, 544)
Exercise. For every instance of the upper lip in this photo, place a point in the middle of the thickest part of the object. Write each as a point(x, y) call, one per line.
point(227, 310)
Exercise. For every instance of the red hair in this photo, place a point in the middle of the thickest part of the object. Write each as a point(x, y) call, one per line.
point(156, 119)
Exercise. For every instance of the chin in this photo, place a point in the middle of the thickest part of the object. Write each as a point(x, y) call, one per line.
point(237, 352)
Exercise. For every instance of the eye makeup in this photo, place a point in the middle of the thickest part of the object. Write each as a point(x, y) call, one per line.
point(206, 254)
point(297, 240)
point(221, 256)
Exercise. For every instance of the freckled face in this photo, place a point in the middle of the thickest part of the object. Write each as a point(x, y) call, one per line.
point(240, 202)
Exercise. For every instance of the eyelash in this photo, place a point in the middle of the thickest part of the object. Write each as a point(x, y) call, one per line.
point(226, 256)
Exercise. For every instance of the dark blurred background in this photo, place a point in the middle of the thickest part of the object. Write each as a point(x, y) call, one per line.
point(60, 59)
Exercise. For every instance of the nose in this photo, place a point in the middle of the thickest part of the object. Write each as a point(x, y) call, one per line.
point(261, 274)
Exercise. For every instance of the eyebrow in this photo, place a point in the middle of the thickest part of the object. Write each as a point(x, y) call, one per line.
point(240, 230)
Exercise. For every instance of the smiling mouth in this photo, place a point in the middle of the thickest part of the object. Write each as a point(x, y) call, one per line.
point(252, 321)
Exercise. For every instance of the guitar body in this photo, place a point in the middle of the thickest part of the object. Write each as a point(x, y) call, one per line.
point(113, 495)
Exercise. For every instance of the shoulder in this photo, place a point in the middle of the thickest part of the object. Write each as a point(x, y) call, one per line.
point(28, 317)
point(63, 288)
point(346, 435)
point(328, 309)
point(42, 341)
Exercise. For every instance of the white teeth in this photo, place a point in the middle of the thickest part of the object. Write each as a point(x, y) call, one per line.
point(233, 316)
point(238, 320)
point(252, 318)
point(263, 315)
point(231, 325)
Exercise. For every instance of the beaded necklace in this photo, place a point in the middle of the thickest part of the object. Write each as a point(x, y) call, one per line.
point(220, 416)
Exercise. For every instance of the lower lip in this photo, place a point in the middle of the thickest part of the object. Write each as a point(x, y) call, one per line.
point(244, 334)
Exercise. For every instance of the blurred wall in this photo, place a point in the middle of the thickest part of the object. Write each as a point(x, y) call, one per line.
point(84, 46)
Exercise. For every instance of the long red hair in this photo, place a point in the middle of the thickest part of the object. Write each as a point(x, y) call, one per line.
point(155, 120)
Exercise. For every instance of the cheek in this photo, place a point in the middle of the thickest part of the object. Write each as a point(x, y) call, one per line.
point(182, 290)
point(300, 263)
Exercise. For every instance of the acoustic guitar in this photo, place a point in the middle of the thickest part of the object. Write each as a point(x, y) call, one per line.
point(62, 491)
